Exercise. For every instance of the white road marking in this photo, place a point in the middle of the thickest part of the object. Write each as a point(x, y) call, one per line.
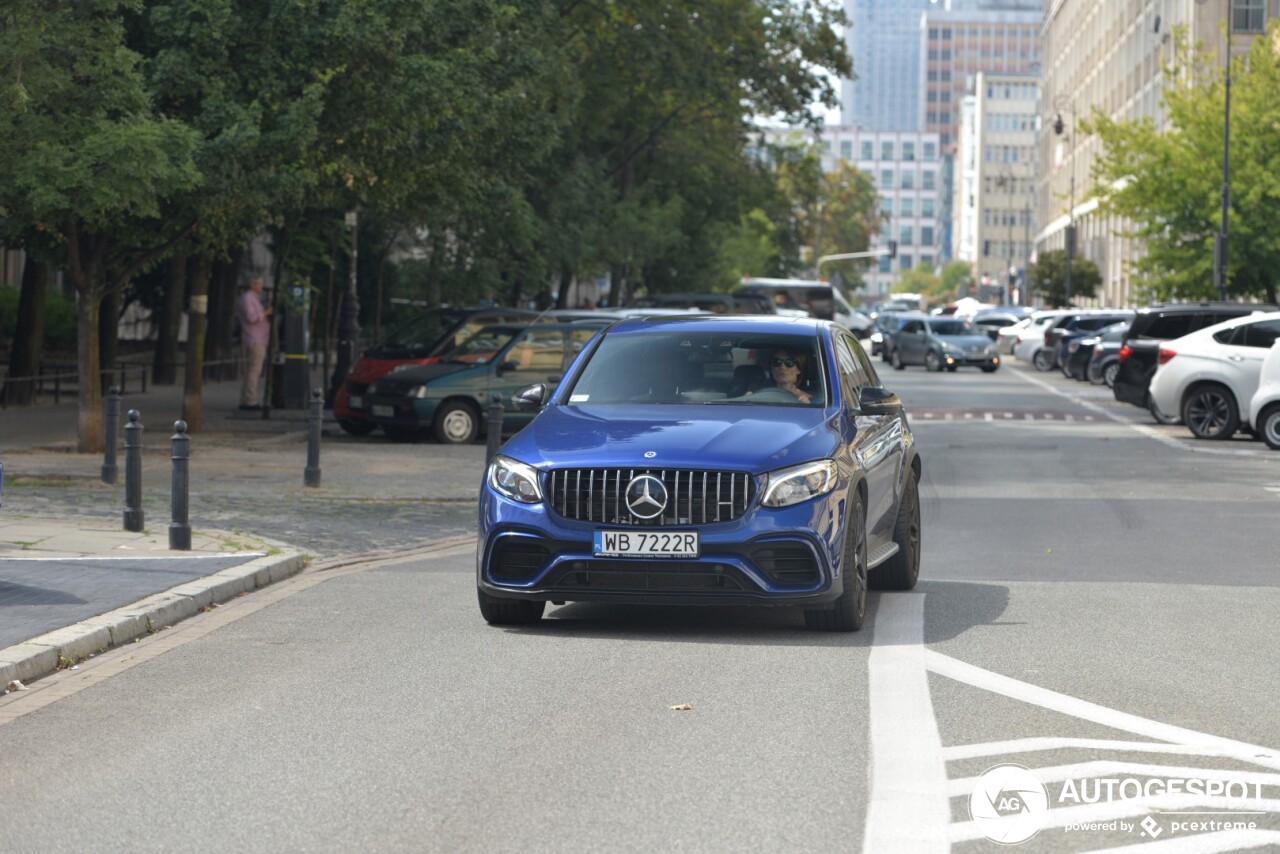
point(987, 416)
point(1033, 745)
point(969, 674)
point(1205, 843)
point(1008, 415)
point(1141, 429)
point(967, 831)
point(907, 808)
point(167, 557)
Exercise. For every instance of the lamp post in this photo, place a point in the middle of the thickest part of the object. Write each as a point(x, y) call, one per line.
point(1059, 128)
point(1220, 253)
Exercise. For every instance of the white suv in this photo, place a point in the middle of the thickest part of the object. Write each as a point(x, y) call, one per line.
point(1264, 410)
point(1211, 375)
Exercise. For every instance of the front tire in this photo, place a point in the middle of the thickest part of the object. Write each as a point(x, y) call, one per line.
point(509, 612)
point(932, 362)
point(990, 369)
point(1209, 411)
point(901, 571)
point(457, 423)
point(896, 361)
point(1269, 426)
point(850, 610)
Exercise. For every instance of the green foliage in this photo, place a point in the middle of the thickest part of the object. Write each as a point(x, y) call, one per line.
point(1168, 183)
point(1048, 277)
point(59, 321)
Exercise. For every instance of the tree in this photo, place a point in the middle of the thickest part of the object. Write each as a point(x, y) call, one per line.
point(954, 280)
point(86, 159)
point(1167, 184)
point(1049, 277)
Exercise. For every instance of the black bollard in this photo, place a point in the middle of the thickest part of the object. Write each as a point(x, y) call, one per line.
point(111, 426)
point(180, 526)
point(133, 473)
point(495, 428)
point(311, 475)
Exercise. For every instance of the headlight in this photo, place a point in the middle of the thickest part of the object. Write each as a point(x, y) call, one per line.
point(419, 392)
point(877, 337)
point(799, 483)
point(515, 479)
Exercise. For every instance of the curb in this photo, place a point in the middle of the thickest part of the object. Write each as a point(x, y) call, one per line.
point(40, 656)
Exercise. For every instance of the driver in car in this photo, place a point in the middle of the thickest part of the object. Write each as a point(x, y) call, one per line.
point(786, 366)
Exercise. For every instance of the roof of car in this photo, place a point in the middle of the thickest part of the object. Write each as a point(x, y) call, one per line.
point(1208, 305)
point(723, 322)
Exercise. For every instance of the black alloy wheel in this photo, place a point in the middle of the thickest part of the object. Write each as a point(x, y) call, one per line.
point(901, 571)
point(1209, 411)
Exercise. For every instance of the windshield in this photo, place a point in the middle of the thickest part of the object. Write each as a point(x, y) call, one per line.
point(703, 367)
point(955, 327)
point(419, 336)
point(482, 346)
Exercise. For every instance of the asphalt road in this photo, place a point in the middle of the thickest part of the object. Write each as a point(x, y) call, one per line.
point(1098, 602)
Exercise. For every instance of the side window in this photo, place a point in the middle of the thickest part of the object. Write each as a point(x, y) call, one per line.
point(1234, 335)
point(850, 371)
point(539, 350)
point(1261, 334)
point(865, 362)
point(1169, 326)
point(578, 339)
point(912, 327)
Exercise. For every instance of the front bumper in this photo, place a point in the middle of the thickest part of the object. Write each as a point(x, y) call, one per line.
point(787, 556)
point(399, 411)
point(970, 360)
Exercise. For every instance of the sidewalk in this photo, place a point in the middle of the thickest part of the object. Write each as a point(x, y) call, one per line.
point(73, 582)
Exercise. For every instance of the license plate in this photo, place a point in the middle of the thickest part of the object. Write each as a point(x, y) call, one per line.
point(646, 543)
point(380, 411)
point(355, 401)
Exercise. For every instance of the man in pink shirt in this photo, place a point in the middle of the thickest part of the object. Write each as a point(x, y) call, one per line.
point(255, 333)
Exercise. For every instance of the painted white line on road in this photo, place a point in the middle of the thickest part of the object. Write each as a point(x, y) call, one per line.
point(1029, 417)
point(987, 416)
point(1033, 745)
point(968, 415)
point(963, 786)
point(1008, 415)
point(967, 831)
point(950, 416)
point(945, 665)
point(95, 558)
point(1141, 429)
point(907, 808)
point(1204, 843)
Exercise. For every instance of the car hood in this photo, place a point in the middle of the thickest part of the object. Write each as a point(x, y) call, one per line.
point(744, 438)
point(966, 340)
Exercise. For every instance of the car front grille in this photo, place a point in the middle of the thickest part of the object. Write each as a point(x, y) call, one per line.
point(648, 577)
point(693, 497)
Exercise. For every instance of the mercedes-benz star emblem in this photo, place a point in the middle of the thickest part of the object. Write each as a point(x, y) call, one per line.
point(648, 455)
point(646, 497)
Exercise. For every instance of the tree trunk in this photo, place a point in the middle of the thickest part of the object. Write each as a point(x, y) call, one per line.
point(197, 312)
point(617, 285)
point(566, 280)
point(221, 320)
point(108, 335)
point(164, 370)
point(435, 263)
point(28, 339)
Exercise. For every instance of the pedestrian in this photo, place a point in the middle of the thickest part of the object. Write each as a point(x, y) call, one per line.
point(255, 333)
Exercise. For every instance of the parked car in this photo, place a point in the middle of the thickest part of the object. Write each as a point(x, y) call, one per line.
point(941, 341)
point(1083, 326)
point(815, 298)
point(709, 302)
point(1264, 409)
point(886, 323)
point(419, 341)
point(1007, 336)
point(450, 398)
point(1150, 329)
point(1079, 351)
point(655, 474)
point(1209, 375)
point(991, 321)
point(1031, 340)
point(1104, 360)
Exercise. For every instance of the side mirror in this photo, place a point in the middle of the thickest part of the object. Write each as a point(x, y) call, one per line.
point(878, 401)
point(529, 398)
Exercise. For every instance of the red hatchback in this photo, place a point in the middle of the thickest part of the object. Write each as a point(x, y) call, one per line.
point(421, 341)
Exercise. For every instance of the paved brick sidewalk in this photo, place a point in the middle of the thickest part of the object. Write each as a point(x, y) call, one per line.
point(246, 496)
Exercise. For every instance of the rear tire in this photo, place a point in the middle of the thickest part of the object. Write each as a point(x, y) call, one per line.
point(901, 571)
point(896, 361)
point(509, 612)
point(1109, 374)
point(1210, 412)
point(1043, 360)
point(1269, 426)
point(850, 610)
point(357, 428)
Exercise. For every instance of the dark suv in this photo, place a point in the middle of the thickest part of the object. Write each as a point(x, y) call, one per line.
point(1155, 325)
